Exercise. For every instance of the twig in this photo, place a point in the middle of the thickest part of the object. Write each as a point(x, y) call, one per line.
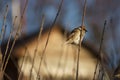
point(12, 27)
point(100, 50)
point(100, 71)
point(36, 49)
point(16, 36)
point(3, 28)
point(6, 49)
point(6, 12)
point(84, 12)
point(22, 63)
point(114, 47)
point(43, 53)
point(3, 25)
point(74, 65)
point(79, 47)
point(3, 35)
point(9, 78)
point(102, 77)
point(11, 50)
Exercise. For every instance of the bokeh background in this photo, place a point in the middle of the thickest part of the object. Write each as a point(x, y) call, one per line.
point(70, 17)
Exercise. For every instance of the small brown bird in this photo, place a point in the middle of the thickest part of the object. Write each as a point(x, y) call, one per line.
point(74, 36)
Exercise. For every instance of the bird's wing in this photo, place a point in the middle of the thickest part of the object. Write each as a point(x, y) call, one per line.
point(71, 36)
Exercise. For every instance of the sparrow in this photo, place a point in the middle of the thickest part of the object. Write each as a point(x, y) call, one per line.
point(74, 37)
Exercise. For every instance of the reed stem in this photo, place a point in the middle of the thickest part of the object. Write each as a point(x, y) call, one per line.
point(79, 47)
point(44, 50)
point(100, 51)
point(16, 36)
point(38, 40)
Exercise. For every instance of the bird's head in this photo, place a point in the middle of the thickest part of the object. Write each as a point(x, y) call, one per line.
point(83, 28)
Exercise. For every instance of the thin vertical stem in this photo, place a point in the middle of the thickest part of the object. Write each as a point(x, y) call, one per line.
point(3, 25)
point(84, 12)
point(36, 49)
point(96, 69)
point(100, 50)
point(113, 40)
point(78, 56)
point(11, 49)
point(16, 36)
point(43, 53)
point(79, 47)
point(3, 28)
point(22, 63)
point(102, 77)
point(6, 12)
point(6, 49)
point(102, 69)
point(99, 72)
point(74, 64)
point(7, 76)
point(4, 31)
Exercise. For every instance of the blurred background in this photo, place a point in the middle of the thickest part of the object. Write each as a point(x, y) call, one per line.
point(69, 18)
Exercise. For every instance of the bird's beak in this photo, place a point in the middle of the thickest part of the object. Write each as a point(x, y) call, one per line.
point(85, 30)
point(83, 27)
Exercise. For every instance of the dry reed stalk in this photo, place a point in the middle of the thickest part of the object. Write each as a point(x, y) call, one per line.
point(24, 57)
point(16, 36)
point(77, 71)
point(2, 42)
point(37, 44)
point(23, 60)
point(2, 61)
point(3, 33)
point(8, 43)
point(6, 49)
point(74, 64)
point(22, 63)
point(102, 77)
point(3, 29)
point(100, 72)
point(4, 24)
point(5, 16)
point(7, 76)
point(79, 47)
point(112, 40)
point(101, 62)
point(84, 12)
point(100, 51)
point(43, 53)
point(47, 69)
point(5, 55)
